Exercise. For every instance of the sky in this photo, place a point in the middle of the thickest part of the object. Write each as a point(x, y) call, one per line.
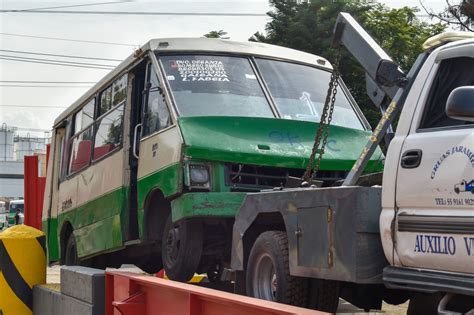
point(34, 105)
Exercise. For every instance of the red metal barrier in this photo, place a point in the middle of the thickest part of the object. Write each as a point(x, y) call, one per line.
point(34, 191)
point(132, 294)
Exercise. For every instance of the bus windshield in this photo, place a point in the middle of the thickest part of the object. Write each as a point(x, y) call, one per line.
point(300, 92)
point(215, 86)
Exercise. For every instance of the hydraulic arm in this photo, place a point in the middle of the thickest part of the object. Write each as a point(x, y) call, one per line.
point(387, 84)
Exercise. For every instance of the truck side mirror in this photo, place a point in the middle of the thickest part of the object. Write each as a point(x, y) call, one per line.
point(389, 74)
point(460, 104)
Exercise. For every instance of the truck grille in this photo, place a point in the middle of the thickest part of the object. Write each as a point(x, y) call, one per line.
point(246, 177)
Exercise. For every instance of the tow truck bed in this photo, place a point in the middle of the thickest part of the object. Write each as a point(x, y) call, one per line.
point(333, 233)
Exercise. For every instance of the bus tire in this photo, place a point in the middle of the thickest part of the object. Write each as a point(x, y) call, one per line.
point(181, 248)
point(70, 257)
point(268, 275)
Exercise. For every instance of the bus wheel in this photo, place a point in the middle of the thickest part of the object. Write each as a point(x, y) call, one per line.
point(70, 258)
point(182, 248)
point(268, 274)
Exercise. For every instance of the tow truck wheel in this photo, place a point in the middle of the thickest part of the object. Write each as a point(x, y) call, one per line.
point(268, 275)
point(70, 257)
point(181, 248)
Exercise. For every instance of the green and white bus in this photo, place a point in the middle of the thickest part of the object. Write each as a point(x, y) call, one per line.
point(151, 165)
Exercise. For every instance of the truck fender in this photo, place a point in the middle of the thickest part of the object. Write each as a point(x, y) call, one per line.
point(258, 213)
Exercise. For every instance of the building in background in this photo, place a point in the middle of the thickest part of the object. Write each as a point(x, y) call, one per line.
point(13, 148)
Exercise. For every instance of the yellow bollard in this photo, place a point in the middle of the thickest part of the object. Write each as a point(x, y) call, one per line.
point(22, 265)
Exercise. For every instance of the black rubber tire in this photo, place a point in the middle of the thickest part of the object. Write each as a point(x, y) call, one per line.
point(70, 252)
point(324, 295)
point(215, 272)
point(289, 289)
point(426, 304)
point(184, 265)
point(151, 267)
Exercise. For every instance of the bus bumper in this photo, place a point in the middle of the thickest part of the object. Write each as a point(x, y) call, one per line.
point(206, 204)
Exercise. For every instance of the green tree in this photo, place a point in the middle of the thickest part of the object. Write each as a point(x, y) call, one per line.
point(217, 34)
point(308, 27)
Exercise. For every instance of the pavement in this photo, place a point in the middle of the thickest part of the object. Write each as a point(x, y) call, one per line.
point(53, 277)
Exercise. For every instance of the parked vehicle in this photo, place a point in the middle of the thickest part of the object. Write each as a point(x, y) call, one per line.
point(3, 215)
point(151, 165)
point(14, 206)
point(414, 233)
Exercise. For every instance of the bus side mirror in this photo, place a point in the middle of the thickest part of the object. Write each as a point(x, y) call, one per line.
point(460, 104)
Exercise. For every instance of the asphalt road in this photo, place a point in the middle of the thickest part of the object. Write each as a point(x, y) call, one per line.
point(53, 277)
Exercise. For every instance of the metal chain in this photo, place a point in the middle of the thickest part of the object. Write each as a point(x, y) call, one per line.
point(325, 122)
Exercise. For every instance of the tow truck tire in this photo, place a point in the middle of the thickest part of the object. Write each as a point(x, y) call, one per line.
point(70, 253)
point(426, 304)
point(324, 295)
point(181, 248)
point(268, 275)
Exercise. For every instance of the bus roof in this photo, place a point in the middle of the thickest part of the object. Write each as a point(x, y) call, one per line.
point(200, 45)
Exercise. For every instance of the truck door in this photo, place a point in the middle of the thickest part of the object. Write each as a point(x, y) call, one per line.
point(435, 218)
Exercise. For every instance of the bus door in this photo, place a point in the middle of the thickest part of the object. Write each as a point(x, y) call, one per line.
point(137, 82)
point(158, 147)
point(51, 204)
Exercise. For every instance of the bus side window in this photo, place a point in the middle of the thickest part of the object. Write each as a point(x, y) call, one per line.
point(156, 115)
point(81, 141)
point(108, 136)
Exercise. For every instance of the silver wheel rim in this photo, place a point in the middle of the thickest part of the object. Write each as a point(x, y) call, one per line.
point(264, 280)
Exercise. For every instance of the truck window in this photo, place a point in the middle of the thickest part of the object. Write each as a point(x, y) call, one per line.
point(452, 73)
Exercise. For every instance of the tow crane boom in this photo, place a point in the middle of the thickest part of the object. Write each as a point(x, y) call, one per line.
point(387, 85)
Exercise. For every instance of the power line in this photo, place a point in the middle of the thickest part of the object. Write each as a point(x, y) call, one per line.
point(48, 82)
point(142, 13)
point(69, 6)
point(32, 129)
point(58, 61)
point(55, 55)
point(69, 40)
point(67, 64)
point(32, 106)
point(44, 86)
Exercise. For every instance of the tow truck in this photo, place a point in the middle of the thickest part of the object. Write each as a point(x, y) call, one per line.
point(410, 238)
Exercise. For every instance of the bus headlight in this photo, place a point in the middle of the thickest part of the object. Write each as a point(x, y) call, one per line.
point(199, 176)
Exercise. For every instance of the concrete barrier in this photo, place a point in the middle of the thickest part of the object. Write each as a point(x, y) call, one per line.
point(46, 300)
point(82, 292)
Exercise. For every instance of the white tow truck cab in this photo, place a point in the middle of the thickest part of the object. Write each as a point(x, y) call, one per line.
point(427, 221)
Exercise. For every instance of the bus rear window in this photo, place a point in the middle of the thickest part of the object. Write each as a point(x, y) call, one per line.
point(215, 86)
